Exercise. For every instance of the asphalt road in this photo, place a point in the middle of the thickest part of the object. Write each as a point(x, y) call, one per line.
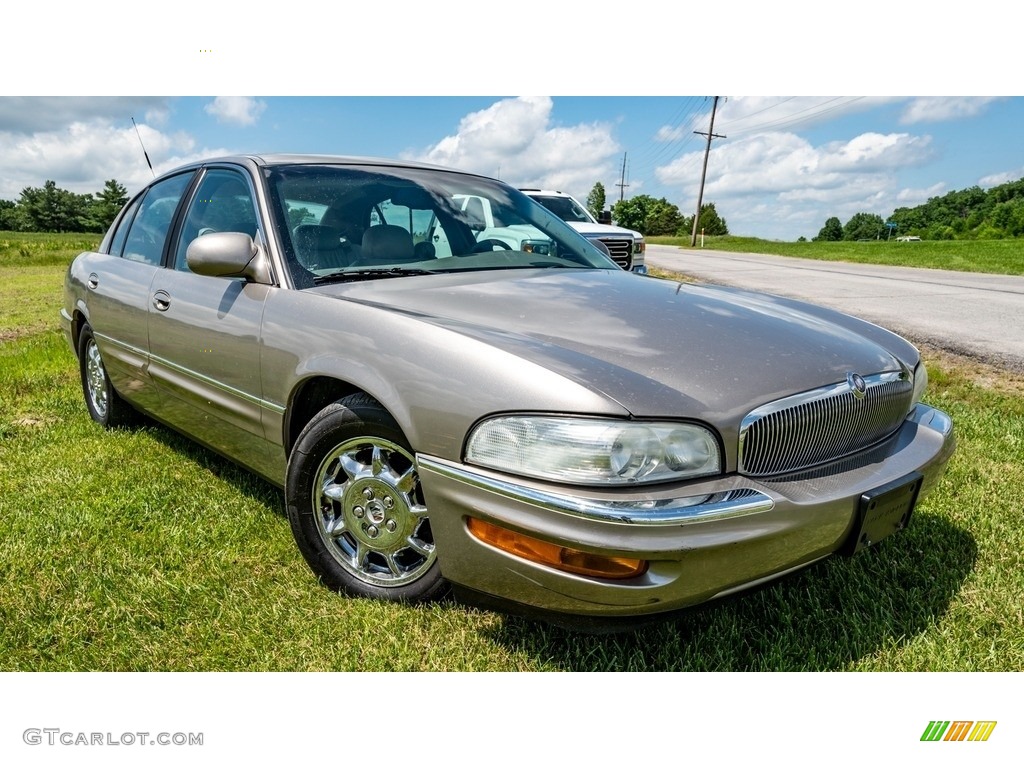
point(973, 314)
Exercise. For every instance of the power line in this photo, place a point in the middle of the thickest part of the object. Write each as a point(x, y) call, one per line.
point(652, 152)
point(812, 113)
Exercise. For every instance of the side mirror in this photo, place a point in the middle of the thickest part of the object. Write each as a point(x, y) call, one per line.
point(604, 217)
point(227, 254)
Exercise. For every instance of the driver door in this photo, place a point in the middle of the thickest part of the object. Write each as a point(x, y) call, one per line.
point(205, 331)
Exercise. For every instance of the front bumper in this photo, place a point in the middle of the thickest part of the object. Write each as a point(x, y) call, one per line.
point(702, 540)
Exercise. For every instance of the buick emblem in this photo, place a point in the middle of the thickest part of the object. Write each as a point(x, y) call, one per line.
point(857, 385)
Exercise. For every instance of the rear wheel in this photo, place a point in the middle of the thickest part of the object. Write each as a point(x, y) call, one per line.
point(105, 406)
point(356, 507)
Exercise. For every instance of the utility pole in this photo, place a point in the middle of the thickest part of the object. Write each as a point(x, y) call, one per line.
point(703, 174)
point(622, 179)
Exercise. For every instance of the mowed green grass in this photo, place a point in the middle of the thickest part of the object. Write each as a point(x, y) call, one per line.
point(136, 550)
point(1003, 257)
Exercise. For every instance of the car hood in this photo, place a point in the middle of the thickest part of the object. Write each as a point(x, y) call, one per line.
point(589, 229)
point(656, 347)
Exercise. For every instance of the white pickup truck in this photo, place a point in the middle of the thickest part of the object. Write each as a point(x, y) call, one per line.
point(625, 246)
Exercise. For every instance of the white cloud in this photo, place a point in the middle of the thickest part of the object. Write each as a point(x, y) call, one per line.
point(742, 115)
point(80, 142)
point(871, 152)
point(81, 156)
point(941, 108)
point(995, 179)
point(671, 133)
point(28, 114)
point(517, 140)
point(775, 184)
point(236, 110)
point(908, 198)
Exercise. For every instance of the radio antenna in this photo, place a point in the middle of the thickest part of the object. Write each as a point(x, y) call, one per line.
point(143, 148)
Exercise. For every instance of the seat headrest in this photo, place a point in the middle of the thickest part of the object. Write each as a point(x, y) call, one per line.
point(387, 243)
point(316, 236)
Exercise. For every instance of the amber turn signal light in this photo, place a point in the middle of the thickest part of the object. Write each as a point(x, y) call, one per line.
point(562, 558)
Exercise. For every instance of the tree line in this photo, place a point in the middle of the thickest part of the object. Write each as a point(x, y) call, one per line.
point(967, 214)
point(651, 216)
point(51, 209)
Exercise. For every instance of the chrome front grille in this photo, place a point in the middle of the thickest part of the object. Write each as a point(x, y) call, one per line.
point(823, 425)
point(621, 250)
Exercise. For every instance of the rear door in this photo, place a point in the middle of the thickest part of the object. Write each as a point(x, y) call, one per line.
point(118, 288)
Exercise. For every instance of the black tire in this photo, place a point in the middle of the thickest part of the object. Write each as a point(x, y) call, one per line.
point(356, 508)
point(106, 407)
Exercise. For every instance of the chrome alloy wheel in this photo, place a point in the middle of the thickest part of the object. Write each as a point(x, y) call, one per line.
point(370, 512)
point(96, 379)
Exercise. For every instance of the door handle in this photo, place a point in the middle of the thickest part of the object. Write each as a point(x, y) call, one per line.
point(162, 301)
point(94, 281)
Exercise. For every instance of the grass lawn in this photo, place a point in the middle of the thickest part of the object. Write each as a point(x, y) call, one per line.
point(1004, 257)
point(137, 550)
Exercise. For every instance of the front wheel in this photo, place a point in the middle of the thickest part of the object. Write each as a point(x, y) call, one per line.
point(356, 507)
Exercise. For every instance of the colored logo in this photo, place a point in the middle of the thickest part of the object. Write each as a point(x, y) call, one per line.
point(958, 730)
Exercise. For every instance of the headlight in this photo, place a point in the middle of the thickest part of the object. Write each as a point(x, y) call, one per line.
point(594, 451)
point(639, 246)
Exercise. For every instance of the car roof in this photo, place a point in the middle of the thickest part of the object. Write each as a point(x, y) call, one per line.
point(266, 160)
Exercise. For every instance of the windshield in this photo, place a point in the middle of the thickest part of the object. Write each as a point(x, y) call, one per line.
point(565, 208)
point(341, 222)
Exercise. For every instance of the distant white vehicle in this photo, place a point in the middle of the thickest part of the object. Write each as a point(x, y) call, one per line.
point(908, 239)
point(625, 246)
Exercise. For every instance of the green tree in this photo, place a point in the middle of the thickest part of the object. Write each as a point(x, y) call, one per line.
point(630, 213)
point(1009, 217)
point(972, 213)
point(864, 226)
point(596, 200)
point(108, 203)
point(8, 215)
point(52, 209)
point(832, 231)
point(648, 215)
point(710, 222)
point(663, 218)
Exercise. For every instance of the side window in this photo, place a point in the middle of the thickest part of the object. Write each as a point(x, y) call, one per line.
point(148, 230)
point(117, 242)
point(222, 203)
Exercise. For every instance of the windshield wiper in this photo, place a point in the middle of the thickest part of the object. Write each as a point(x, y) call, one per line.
point(369, 274)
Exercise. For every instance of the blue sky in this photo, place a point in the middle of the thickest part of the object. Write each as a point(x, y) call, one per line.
point(788, 162)
point(786, 165)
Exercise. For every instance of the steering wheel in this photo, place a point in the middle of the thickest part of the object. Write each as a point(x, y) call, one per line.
point(489, 244)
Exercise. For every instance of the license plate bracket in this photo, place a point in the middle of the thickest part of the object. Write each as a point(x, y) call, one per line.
point(883, 511)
